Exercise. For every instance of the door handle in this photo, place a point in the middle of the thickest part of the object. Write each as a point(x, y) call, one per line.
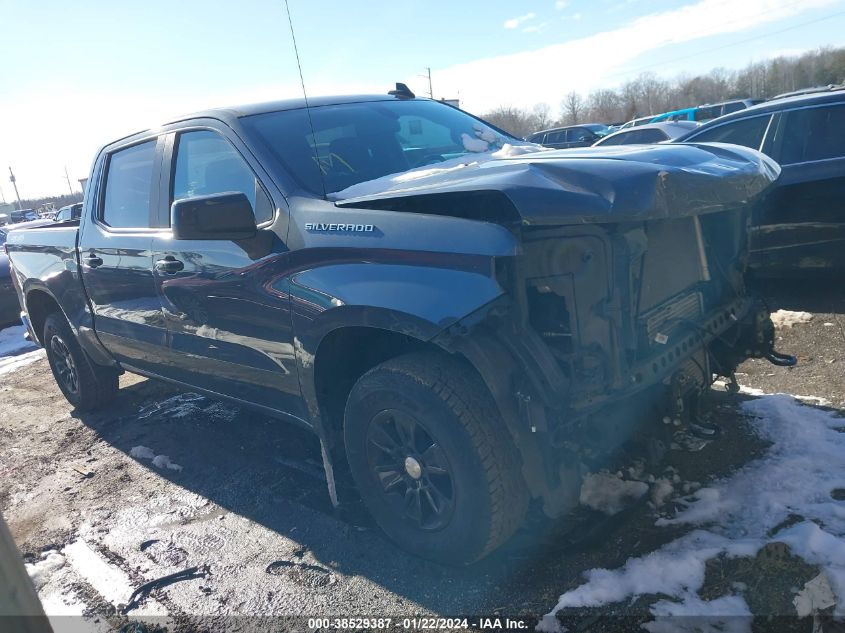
point(169, 265)
point(92, 260)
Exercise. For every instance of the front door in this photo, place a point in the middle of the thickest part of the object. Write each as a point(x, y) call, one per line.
point(116, 260)
point(228, 321)
point(801, 224)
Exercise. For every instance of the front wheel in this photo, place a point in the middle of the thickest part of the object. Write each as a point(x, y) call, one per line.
point(432, 458)
point(86, 385)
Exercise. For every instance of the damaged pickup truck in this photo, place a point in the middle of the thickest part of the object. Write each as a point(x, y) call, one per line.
point(467, 321)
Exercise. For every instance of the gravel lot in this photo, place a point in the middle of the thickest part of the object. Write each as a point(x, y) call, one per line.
point(241, 497)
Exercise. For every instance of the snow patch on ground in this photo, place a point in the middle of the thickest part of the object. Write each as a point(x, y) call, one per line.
point(13, 363)
point(41, 571)
point(159, 461)
point(738, 515)
point(163, 461)
point(816, 401)
point(12, 341)
point(609, 493)
point(142, 452)
point(788, 318)
point(15, 350)
point(110, 582)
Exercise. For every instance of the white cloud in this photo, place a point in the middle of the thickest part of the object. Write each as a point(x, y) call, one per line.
point(515, 22)
point(535, 28)
point(561, 4)
point(522, 78)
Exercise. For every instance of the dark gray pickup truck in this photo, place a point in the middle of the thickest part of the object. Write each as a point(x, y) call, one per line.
point(467, 321)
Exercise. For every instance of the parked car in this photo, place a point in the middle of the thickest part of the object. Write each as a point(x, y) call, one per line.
point(70, 212)
point(637, 122)
point(466, 320)
point(708, 112)
point(24, 215)
point(571, 136)
point(800, 225)
point(650, 133)
point(705, 112)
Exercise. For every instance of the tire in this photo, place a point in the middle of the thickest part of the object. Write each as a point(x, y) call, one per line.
point(432, 458)
point(86, 385)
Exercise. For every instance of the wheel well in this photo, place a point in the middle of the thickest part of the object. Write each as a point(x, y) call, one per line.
point(345, 355)
point(39, 305)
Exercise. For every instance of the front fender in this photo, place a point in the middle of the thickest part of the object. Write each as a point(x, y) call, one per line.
point(414, 300)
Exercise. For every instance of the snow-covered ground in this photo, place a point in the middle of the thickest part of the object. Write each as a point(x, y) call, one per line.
point(793, 495)
point(15, 351)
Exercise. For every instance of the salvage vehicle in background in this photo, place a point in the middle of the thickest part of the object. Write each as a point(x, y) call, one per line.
point(799, 227)
point(10, 309)
point(70, 212)
point(649, 133)
point(467, 320)
point(572, 136)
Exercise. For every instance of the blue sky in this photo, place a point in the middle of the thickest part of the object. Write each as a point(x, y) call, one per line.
point(76, 75)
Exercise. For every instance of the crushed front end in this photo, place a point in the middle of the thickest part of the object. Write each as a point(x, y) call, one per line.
point(618, 328)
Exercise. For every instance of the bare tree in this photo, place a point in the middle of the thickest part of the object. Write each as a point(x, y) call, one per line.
point(651, 95)
point(512, 120)
point(572, 107)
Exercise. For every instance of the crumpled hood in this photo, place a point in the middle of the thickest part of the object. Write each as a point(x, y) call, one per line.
point(591, 185)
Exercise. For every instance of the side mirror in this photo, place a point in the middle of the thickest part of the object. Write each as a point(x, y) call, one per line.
point(222, 216)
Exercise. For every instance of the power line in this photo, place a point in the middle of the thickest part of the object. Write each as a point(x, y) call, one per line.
point(724, 46)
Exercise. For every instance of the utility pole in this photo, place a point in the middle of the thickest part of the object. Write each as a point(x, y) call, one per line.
point(70, 188)
point(2, 196)
point(428, 76)
point(15, 185)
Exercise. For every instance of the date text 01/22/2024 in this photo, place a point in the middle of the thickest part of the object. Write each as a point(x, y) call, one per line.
point(419, 623)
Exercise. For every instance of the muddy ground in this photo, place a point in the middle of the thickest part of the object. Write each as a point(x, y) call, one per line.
point(244, 501)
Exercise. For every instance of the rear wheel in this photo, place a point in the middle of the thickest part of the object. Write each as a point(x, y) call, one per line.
point(432, 458)
point(86, 385)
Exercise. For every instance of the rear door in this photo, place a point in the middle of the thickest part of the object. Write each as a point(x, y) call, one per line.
point(115, 256)
point(802, 223)
point(228, 319)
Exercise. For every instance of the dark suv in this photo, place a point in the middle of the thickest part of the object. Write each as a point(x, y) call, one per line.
point(800, 225)
point(573, 136)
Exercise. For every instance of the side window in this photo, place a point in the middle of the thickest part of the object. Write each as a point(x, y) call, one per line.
point(126, 202)
point(747, 132)
point(555, 137)
point(734, 106)
point(650, 135)
point(814, 134)
point(707, 113)
point(579, 135)
point(206, 163)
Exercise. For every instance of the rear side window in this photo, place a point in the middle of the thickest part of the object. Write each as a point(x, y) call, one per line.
point(814, 134)
point(579, 135)
point(128, 187)
point(636, 136)
point(206, 163)
point(747, 132)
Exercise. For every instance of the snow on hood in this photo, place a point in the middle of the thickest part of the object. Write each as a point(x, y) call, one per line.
point(480, 153)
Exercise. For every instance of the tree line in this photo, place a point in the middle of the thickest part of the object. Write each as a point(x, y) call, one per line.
point(58, 201)
point(649, 94)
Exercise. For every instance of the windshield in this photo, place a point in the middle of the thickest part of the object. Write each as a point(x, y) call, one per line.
point(356, 142)
point(598, 129)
